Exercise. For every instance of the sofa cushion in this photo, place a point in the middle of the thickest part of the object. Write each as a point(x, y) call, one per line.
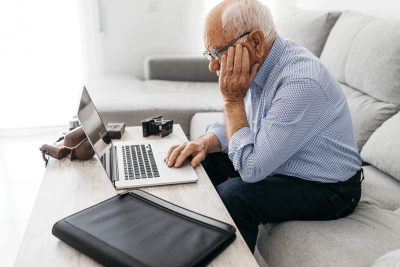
point(381, 190)
point(124, 98)
point(367, 113)
point(372, 230)
point(363, 52)
point(391, 259)
point(383, 148)
point(308, 28)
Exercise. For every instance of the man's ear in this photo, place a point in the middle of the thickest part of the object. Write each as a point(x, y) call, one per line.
point(256, 37)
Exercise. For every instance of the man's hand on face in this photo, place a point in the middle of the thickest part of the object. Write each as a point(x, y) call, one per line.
point(177, 154)
point(235, 77)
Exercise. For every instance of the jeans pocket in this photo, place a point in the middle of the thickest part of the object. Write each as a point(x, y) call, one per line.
point(340, 214)
point(345, 211)
point(352, 194)
point(334, 216)
point(342, 205)
point(333, 200)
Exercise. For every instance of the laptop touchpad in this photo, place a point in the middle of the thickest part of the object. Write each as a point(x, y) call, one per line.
point(184, 172)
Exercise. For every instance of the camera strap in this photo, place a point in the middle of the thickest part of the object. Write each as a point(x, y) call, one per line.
point(44, 153)
point(76, 145)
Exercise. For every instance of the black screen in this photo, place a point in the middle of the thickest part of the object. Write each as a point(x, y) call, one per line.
point(94, 127)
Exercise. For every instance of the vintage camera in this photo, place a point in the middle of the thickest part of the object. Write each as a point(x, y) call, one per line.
point(74, 123)
point(156, 125)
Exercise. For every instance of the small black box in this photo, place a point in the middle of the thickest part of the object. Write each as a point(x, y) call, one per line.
point(115, 130)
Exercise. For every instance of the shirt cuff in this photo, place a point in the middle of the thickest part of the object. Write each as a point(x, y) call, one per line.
point(240, 139)
point(218, 129)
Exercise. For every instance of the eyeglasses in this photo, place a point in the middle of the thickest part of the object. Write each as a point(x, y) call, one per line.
point(215, 54)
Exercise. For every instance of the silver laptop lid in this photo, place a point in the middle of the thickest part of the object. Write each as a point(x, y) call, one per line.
point(94, 128)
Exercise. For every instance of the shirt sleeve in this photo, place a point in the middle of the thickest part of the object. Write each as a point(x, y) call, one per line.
point(289, 123)
point(219, 129)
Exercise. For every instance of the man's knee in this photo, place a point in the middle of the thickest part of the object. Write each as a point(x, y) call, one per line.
point(219, 167)
point(238, 200)
point(232, 192)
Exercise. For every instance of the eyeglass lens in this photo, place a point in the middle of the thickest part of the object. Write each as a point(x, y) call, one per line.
point(208, 55)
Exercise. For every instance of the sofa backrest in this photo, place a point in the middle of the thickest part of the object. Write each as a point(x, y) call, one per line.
point(184, 67)
point(383, 148)
point(307, 28)
point(363, 54)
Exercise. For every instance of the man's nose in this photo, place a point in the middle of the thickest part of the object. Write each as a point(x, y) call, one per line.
point(214, 64)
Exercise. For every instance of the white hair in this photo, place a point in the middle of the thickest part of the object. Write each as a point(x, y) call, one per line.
point(246, 16)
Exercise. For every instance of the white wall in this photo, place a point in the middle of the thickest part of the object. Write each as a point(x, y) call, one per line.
point(40, 62)
point(132, 29)
point(378, 8)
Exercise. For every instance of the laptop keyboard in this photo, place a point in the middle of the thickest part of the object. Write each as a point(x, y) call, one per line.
point(139, 162)
point(103, 161)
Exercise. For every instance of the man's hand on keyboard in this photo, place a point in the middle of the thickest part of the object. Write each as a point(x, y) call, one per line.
point(208, 143)
point(177, 154)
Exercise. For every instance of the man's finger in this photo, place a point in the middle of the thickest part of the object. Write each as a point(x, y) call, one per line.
point(245, 63)
point(222, 74)
point(175, 154)
point(183, 155)
point(197, 159)
point(237, 66)
point(229, 63)
point(170, 152)
point(253, 71)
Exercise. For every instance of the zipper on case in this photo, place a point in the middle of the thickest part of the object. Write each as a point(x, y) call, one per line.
point(123, 193)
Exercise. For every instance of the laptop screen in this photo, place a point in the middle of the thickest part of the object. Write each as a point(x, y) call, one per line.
point(94, 128)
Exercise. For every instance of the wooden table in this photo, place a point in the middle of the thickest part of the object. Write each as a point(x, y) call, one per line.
point(71, 186)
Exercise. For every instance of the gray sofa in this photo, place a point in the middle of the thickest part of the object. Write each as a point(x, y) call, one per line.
point(176, 87)
point(363, 53)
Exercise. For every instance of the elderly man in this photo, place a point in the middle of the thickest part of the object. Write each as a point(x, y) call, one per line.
point(286, 149)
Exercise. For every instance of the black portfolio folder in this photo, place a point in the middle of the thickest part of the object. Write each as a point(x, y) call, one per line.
point(138, 229)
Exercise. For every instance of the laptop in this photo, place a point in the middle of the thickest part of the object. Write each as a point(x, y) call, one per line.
point(132, 163)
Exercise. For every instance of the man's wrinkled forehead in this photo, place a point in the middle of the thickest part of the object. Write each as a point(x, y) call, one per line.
point(214, 37)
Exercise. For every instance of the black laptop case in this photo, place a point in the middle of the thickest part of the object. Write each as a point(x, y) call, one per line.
point(138, 229)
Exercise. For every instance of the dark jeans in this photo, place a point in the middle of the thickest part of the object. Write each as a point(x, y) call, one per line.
point(278, 198)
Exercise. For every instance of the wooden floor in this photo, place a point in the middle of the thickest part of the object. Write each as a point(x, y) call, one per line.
point(21, 173)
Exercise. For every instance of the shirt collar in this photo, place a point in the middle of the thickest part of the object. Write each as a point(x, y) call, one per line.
point(272, 58)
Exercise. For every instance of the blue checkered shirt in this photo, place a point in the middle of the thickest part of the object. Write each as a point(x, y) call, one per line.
point(300, 123)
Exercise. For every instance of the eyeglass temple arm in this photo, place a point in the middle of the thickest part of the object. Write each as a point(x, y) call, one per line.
point(231, 43)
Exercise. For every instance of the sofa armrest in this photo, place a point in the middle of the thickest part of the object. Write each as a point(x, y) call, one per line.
point(192, 68)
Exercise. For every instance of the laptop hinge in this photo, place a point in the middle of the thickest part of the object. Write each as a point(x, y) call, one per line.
point(114, 164)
